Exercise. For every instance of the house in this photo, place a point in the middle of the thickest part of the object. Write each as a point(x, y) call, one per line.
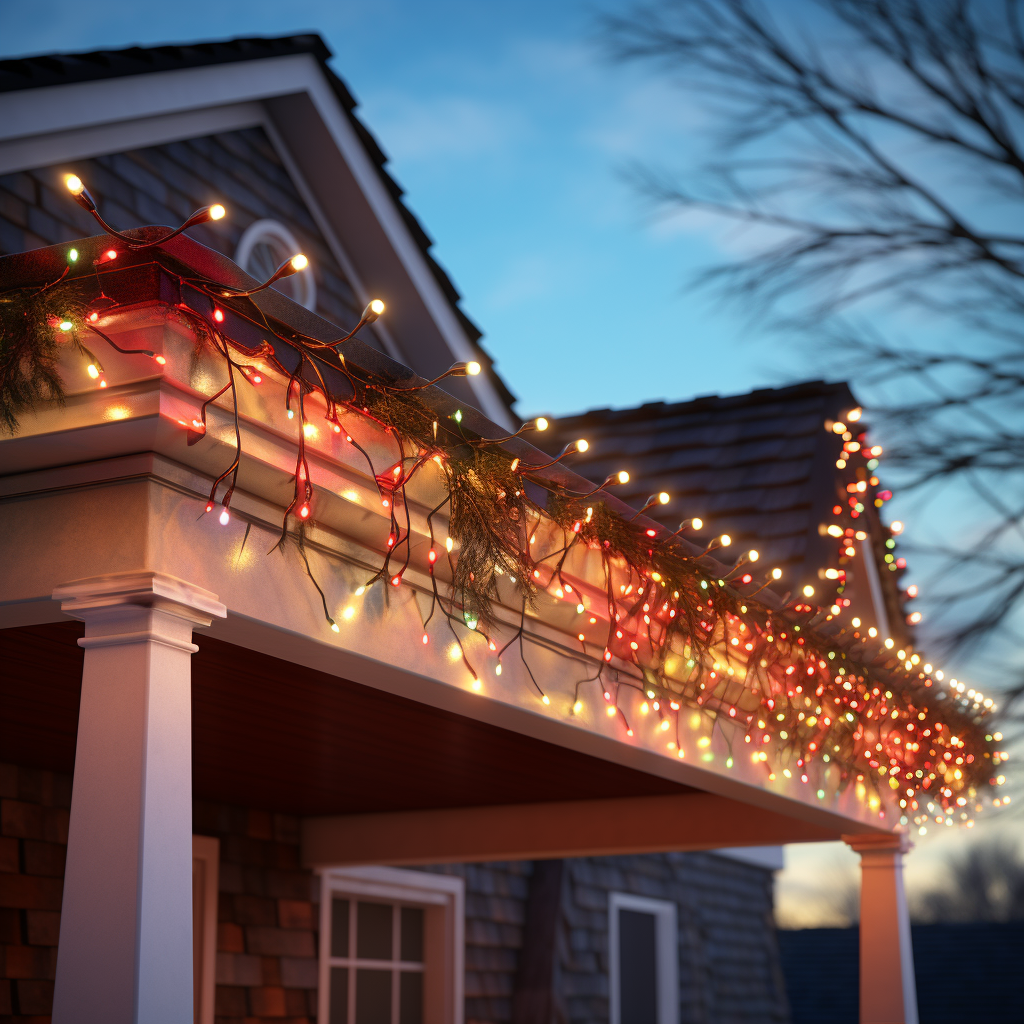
point(380, 831)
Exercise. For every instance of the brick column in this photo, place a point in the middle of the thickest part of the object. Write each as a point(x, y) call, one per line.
point(888, 994)
point(125, 952)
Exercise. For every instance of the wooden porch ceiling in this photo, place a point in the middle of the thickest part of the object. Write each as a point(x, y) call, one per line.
point(273, 735)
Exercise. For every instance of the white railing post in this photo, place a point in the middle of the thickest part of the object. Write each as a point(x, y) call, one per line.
point(125, 951)
point(888, 994)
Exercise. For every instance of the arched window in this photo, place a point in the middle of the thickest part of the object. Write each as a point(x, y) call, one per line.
point(264, 246)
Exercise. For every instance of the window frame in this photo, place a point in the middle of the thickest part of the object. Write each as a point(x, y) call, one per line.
point(666, 938)
point(205, 850)
point(442, 897)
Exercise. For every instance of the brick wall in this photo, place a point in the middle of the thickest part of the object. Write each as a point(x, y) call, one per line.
point(495, 910)
point(163, 185)
point(268, 916)
point(34, 809)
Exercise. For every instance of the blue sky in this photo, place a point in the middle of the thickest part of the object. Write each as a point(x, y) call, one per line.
point(510, 134)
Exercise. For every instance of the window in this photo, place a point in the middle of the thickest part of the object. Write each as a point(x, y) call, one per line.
point(263, 247)
point(391, 947)
point(205, 862)
point(643, 965)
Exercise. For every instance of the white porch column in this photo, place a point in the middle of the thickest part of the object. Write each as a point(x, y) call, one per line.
point(125, 953)
point(887, 990)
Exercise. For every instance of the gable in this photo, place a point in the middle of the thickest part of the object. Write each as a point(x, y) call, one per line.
point(162, 185)
point(60, 109)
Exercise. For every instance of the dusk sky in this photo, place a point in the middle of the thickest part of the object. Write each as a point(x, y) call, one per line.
point(510, 133)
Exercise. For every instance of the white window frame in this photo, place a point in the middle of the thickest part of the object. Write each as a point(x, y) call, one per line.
point(666, 939)
point(443, 897)
point(264, 230)
point(205, 851)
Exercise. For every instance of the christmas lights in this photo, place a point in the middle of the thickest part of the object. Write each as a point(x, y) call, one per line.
point(672, 631)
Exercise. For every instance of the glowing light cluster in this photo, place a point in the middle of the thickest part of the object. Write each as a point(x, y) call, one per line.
point(671, 636)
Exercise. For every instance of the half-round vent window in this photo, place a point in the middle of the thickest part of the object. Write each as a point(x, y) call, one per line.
point(264, 246)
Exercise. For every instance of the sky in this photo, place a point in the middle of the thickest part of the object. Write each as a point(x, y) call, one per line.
point(513, 136)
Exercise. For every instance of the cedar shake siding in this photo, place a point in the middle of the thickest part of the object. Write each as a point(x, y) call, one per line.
point(163, 185)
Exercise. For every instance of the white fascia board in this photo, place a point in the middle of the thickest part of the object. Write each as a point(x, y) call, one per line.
point(58, 108)
point(390, 219)
point(45, 150)
point(58, 114)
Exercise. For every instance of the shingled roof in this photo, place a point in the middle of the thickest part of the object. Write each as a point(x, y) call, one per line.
point(34, 72)
point(760, 467)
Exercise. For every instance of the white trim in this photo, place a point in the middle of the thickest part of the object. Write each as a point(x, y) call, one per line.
point(667, 952)
point(330, 235)
point(443, 895)
point(46, 149)
point(266, 230)
point(38, 124)
point(206, 850)
point(61, 108)
point(390, 219)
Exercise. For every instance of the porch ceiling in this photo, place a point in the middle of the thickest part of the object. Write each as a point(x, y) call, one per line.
point(281, 737)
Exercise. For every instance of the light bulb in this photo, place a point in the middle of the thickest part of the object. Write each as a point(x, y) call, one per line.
point(698, 523)
point(217, 211)
point(74, 184)
point(582, 445)
point(541, 423)
point(472, 368)
point(896, 526)
point(753, 555)
point(299, 262)
point(225, 517)
point(664, 497)
point(66, 325)
point(725, 539)
point(808, 591)
point(622, 476)
point(92, 371)
point(374, 308)
point(854, 414)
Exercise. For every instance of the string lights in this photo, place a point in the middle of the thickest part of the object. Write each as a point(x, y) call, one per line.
point(666, 633)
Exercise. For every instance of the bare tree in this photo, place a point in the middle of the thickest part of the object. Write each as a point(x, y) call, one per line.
point(876, 147)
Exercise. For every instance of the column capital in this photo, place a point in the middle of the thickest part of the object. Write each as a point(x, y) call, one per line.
point(127, 608)
point(879, 842)
point(156, 590)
